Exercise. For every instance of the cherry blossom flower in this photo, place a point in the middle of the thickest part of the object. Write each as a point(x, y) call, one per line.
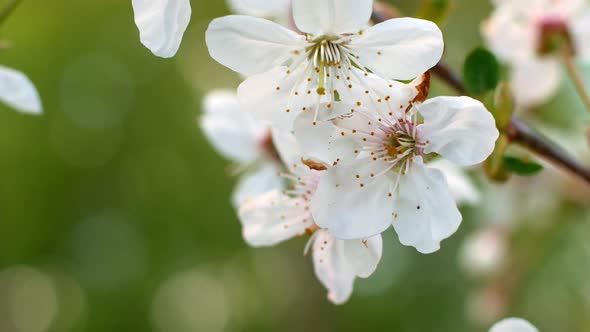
point(278, 216)
point(380, 154)
point(17, 91)
point(161, 24)
point(291, 72)
point(513, 325)
point(521, 33)
point(243, 140)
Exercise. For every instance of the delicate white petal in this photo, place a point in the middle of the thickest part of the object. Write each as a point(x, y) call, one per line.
point(273, 218)
point(331, 17)
point(18, 91)
point(250, 45)
point(161, 24)
point(513, 325)
point(269, 97)
point(232, 131)
point(322, 140)
point(363, 255)
point(581, 33)
point(510, 39)
point(287, 147)
point(338, 262)
point(260, 8)
point(459, 128)
point(349, 210)
point(461, 186)
point(425, 212)
point(402, 48)
point(252, 185)
point(535, 81)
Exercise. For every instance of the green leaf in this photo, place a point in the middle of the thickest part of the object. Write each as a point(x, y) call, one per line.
point(481, 72)
point(522, 166)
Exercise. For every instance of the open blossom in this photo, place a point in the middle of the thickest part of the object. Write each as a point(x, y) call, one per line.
point(240, 138)
point(17, 91)
point(161, 24)
point(381, 175)
point(281, 215)
point(522, 34)
point(513, 325)
point(292, 72)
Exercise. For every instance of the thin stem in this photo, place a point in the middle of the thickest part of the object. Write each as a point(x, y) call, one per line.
point(520, 133)
point(576, 76)
point(8, 9)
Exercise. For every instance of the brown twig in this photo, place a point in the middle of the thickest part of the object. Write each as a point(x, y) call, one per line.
point(517, 131)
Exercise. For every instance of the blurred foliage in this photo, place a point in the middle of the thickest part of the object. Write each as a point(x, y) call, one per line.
point(115, 212)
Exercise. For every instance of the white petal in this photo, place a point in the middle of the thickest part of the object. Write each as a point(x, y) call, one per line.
point(400, 48)
point(535, 81)
point(461, 186)
point(331, 17)
point(260, 8)
point(338, 262)
point(459, 128)
point(161, 24)
point(513, 325)
point(232, 131)
point(508, 37)
point(425, 211)
point(321, 140)
point(581, 33)
point(250, 45)
point(349, 210)
point(259, 182)
point(287, 147)
point(273, 218)
point(18, 91)
point(269, 97)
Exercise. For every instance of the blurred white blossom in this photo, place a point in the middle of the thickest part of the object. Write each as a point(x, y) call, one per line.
point(237, 136)
point(522, 33)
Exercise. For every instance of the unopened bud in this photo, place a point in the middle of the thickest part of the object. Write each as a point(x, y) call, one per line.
point(554, 36)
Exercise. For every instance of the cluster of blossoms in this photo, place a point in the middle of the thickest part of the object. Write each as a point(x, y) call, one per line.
point(337, 148)
point(332, 145)
point(530, 35)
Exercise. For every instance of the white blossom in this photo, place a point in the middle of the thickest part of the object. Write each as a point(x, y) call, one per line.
point(513, 325)
point(292, 72)
point(17, 91)
point(161, 24)
point(516, 32)
point(380, 177)
point(237, 136)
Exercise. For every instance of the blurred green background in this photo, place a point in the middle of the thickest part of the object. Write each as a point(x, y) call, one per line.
point(115, 212)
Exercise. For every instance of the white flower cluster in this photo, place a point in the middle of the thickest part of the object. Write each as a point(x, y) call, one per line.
point(322, 104)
